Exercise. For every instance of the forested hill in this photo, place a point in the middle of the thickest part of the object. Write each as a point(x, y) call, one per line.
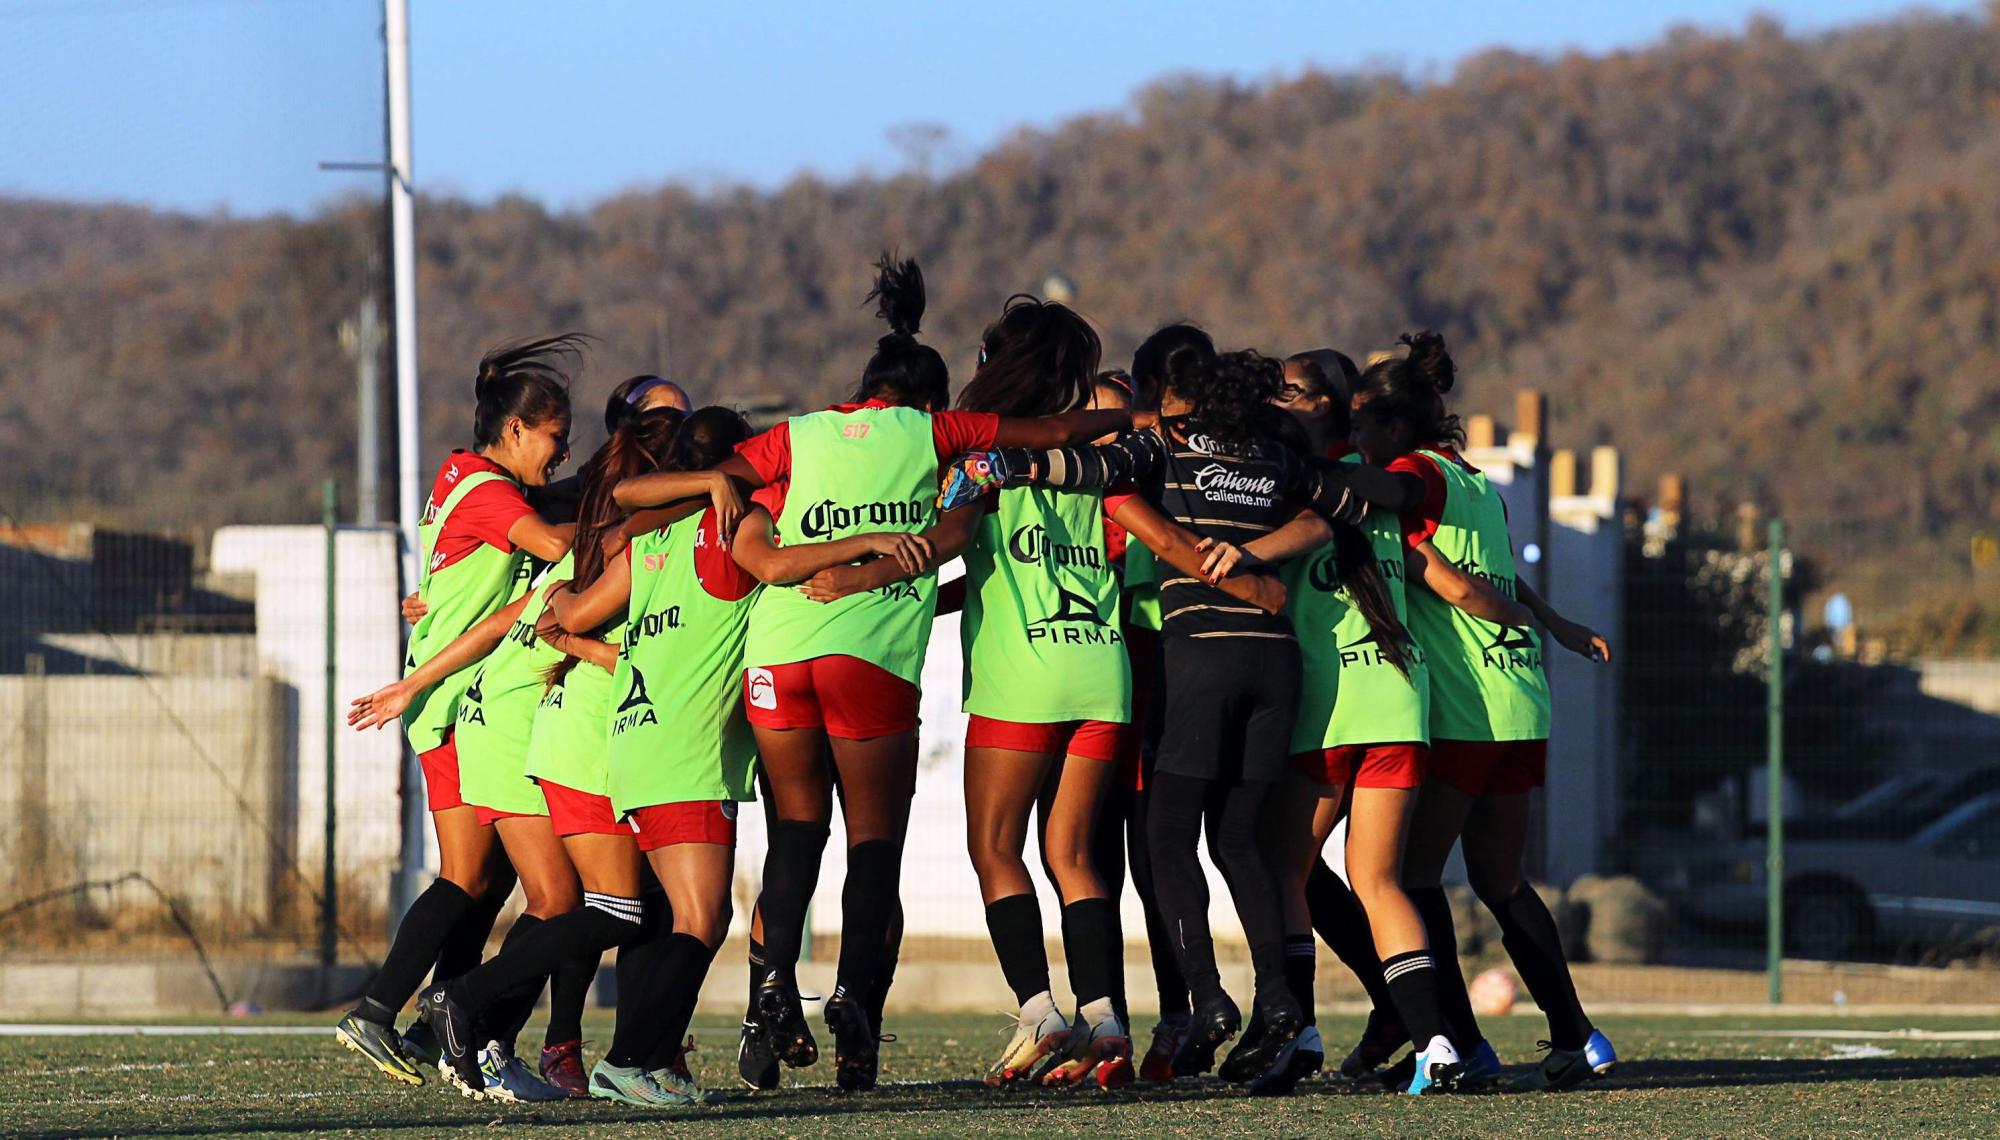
point(1766, 261)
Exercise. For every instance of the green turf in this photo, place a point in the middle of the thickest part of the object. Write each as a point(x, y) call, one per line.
point(1683, 1077)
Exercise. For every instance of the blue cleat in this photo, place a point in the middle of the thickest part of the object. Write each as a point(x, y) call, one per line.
point(1598, 1051)
point(1482, 1068)
point(507, 1079)
point(1438, 1069)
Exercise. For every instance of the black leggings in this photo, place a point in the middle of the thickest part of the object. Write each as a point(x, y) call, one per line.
point(1180, 805)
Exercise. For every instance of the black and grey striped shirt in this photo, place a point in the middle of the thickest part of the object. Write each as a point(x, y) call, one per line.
point(1230, 494)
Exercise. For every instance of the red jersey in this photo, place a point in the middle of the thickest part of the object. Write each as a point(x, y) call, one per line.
point(953, 433)
point(483, 516)
point(1422, 521)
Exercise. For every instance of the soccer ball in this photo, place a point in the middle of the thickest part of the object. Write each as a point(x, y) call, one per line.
point(1492, 993)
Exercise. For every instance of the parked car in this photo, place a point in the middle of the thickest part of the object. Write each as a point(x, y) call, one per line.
point(1845, 894)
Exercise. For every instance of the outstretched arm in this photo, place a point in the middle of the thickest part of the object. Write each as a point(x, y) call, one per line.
point(1475, 596)
point(388, 702)
point(1577, 638)
point(1129, 458)
point(1069, 428)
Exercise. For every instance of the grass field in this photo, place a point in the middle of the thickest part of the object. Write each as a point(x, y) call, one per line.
point(1764, 1076)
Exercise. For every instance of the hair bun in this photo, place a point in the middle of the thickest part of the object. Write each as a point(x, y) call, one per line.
point(1428, 356)
point(490, 369)
point(899, 296)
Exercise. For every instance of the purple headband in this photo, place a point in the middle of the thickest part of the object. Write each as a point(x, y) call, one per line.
point(640, 389)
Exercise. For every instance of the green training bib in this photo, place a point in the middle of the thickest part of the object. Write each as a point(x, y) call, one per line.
point(1041, 630)
point(572, 730)
point(496, 715)
point(460, 596)
point(860, 472)
point(1486, 679)
point(1349, 693)
point(677, 731)
point(1142, 584)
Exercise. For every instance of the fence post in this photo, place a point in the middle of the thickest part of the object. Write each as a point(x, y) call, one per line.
point(1774, 770)
point(329, 905)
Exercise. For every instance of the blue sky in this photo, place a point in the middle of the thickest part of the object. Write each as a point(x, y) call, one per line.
point(229, 104)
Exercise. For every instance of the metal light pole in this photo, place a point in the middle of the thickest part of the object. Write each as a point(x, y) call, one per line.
point(409, 491)
point(362, 338)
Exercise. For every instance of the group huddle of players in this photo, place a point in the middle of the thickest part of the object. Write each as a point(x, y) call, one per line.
point(1217, 594)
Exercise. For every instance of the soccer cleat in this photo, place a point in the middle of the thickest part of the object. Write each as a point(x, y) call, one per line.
point(1251, 1056)
point(1100, 1051)
point(1378, 1045)
point(1603, 1058)
point(1562, 1069)
point(1397, 1077)
point(856, 1056)
point(1168, 1033)
point(459, 1061)
point(784, 1019)
point(1482, 1067)
point(562, 1066)
point(1276, 1026)
point(379, 1045)
point(1438, 1069)
point(632, 1086)
point(1030, 1044)
point(508, 1078)
point(421, 1045)
point(1301, 1057)
point(678, 1080)
point(756, 1058)
point(1213, 1023)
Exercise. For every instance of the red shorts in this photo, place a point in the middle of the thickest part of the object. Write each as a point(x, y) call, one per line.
point(848, 697)
point(1365, 765)
point(488, 816)
point(1491, 767)
point(441, 776)
point(696, 821)
point(1090, 739)
point(581, 813)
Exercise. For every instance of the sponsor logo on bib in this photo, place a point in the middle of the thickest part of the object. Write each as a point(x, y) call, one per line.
point(1075, 622)
point(1030, 544)
point(823, 518)
point(636, 709)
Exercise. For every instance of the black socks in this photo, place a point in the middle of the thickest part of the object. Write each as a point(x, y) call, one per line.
point(465, 943)
point(683, 966)
point(1528, 931)
point(1413, 982)
point(1089, 928)
point(1300, 960)
point(569, 988)
point(1453, 1001)
point(604, 921)
point(1343, 925)
point(868, 905)
point(791, 871)
point(1015, 924)
point(418, 938)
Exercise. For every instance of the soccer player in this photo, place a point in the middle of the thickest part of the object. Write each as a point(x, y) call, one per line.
point(477, 534)
point(1489, 713)
point(843, 675)
point(1231, 688)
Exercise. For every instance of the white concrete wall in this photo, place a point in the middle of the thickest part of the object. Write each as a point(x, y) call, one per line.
point(289, 563)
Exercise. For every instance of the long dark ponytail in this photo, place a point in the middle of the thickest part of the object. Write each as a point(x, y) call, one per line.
point(638, 446)
point(1368, 588)
point(902, 371)
point(526, 380)
point(1038, 359)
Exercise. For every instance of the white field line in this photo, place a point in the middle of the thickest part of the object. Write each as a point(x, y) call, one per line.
point(32, 1029)
point(1862, 1034)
